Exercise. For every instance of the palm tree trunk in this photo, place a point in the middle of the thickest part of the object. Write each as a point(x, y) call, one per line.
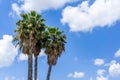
point(49, 72)
point(29, 66)
point(35, 68)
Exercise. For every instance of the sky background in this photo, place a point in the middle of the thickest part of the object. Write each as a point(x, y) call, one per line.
point(93, 39)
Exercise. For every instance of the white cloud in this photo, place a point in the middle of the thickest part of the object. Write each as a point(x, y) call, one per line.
point(42, 53)
point(111, 69)
point(114, 69)
point(117, 54)
point(15, 9)
point(23, 57)
point(7, 51)
point(13, 78)
point(85, 17)
point(99, 62)
point(76, 75)
point(101, 78)
point(38, 5)
point(100, 72)
point(110, 63)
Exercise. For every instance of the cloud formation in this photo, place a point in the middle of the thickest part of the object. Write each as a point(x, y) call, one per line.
point(38, 5)
point(7, 51)
point(13, 78)
point(23, 57)
point(99, 62)
point(101, 78)
point(114, 69)
point(100, 72)
point(85, 17)
point(76, 75)
point(117, 54)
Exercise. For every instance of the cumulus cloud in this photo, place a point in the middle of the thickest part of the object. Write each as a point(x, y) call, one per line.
point(85, 17)
point(38, 5)
point(13, 78)
point(42, 53)
point(76, 75)
point(110, 63)
point(101, 78)
point(99, 62)
point(15, 10)
point(114, 69)
point(7, 51)
point(100, 72)
point(117, 54)
point(23, 57)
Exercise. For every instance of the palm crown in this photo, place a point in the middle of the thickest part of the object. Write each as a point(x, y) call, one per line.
point(54, 44)
point(31, 27)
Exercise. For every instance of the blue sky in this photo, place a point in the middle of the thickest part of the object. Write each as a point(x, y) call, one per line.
point(93, 39)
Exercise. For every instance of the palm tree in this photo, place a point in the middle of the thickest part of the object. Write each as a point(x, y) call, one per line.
point(40, 34)
point(55, 44)
point(24, 42)
point(29, 36)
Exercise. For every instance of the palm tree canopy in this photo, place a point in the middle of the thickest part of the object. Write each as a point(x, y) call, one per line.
point(55, 44)
point(31, 27)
